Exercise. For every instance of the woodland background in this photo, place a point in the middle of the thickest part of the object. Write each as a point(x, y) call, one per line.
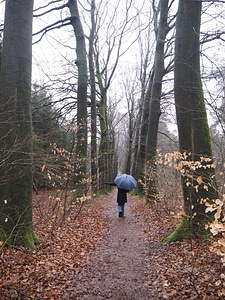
point(124, 49)
point(116, 87)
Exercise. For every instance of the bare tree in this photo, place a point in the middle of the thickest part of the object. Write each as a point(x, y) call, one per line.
point(81, 62)
point(94, 160)
point(152, 97)
point(155, 97)
point(107, 56)
point(198, 177)
point(15, 126)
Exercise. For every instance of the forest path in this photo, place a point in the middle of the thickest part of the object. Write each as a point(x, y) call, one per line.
point(118, 269)
point(96, 255)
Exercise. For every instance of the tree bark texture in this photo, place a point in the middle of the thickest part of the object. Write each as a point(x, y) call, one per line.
point(154, 105)
point(142, 123)
point(16, 180)
point(141, 152)
point(158, 73)
point(81, 146)
point(103, 147)
point(192, 122)
point(93, 101)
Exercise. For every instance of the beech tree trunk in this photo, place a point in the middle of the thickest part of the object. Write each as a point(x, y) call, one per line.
point(81, 146)
point(140, 164)
point(155, 100)
point(198, 180)
point(103, 152)
point(93, 101)
point(16, 182)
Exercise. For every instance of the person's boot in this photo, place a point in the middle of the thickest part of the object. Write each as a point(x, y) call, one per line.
point(120, 214)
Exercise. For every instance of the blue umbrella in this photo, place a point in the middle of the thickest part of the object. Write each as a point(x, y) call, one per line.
point(125, 181)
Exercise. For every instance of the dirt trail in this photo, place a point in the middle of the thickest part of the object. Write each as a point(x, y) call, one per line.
point(99, 256)
point(118, 268)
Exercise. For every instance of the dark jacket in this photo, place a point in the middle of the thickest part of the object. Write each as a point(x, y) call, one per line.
point(121, 196)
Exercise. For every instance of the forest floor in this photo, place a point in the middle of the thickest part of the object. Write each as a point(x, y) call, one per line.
point(93, 254)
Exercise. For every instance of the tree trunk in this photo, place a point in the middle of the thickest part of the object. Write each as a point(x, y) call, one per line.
point(129, 163)
point(198, 180)
point(155, 99)
point(81, 146)
point(93, 102)
point(142, 123)
point(103, 147)
point(16, 182)
point(141, 152)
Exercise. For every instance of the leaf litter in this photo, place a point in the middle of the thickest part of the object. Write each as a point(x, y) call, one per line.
point(87, 252)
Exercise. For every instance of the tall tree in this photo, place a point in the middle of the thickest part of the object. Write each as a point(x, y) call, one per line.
point(81, 147)
point(15, 126)
point(155, 99)
point(143, 113)
point(93, 99)
point(106, 62)
point(198, 180)
point(151, 104)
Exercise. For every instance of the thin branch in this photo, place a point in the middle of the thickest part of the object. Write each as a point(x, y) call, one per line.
point(50, 10)
point(56, 25)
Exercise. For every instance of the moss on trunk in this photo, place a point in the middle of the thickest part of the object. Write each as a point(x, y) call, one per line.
point(187, 229)
point(26, 238)
point(181, 232)
point(198, 174)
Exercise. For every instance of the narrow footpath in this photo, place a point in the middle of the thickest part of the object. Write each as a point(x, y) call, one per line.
point(118, 268)
point(132, 264)
point(96, 255)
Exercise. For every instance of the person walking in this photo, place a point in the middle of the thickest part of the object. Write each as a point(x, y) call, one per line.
point(121, 199)
point(124, 183)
